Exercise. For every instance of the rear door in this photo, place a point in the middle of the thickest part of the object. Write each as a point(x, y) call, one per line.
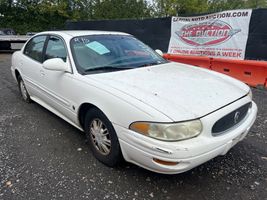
point(31, 65)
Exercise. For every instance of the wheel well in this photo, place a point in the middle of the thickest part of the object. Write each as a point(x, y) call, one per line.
point(83, 110)
point(17, 74)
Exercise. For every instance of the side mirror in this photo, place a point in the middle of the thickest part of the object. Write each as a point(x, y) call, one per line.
point(56, 64)
point(159, 52)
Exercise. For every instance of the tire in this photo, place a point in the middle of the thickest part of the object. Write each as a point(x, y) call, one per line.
point(23, 91)
point(100, 132)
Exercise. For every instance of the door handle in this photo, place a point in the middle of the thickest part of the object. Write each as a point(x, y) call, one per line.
point(20, 63)
point(42, 72)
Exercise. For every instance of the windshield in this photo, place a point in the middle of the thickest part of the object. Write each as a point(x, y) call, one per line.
point(105, 53)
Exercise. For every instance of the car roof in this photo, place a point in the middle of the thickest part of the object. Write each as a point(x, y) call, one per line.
point(75, 33)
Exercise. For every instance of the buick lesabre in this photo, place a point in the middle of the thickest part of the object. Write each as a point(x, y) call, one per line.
point(131, 103)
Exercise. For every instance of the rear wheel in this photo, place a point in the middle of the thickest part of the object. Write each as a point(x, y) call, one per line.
point(102, 138)
point(23, 91)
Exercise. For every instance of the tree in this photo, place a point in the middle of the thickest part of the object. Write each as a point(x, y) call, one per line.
point(219, 5)
point(121, 9)
point(185, 7)
point(180, 7)
point(38, 15)
point(256, 3)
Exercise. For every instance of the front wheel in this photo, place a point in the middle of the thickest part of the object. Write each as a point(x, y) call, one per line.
point(102, 138)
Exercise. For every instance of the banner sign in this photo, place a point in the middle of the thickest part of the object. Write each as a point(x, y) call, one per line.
point(220, 35)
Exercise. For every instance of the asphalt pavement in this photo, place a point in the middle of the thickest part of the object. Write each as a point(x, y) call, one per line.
point(43, 157)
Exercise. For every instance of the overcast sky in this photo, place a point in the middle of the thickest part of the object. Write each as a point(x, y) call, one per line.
point(149, 1)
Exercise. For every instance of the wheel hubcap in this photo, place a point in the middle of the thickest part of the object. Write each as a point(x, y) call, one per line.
point(100, 136)
point(23, 90)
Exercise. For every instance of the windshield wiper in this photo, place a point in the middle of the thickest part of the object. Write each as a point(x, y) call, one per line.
point(107, 68)
point(149, 64)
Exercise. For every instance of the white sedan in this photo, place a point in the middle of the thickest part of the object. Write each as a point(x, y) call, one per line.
point(133, 104)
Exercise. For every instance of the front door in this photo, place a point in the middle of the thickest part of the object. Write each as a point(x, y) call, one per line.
point(57, 84)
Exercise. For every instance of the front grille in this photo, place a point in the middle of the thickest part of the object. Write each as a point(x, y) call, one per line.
point(230, 120)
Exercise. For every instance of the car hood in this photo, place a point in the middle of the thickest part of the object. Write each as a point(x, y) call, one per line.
point(179, 91)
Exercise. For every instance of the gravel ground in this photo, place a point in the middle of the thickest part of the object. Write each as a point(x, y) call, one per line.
point(43, 157)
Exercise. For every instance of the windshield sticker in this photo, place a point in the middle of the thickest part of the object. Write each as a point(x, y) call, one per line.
point(98, 47)
point(81, 40)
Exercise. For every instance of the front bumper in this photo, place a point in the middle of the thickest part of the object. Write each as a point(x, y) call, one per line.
point(141, 150)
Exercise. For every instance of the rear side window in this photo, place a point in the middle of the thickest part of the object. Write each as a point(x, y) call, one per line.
point(55, 49)
point(34, 48)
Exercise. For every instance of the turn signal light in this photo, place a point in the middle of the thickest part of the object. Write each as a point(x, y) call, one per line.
point(162, 162)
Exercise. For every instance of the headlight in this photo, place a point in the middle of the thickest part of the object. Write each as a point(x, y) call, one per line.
point(168, 132)
point(250, 94)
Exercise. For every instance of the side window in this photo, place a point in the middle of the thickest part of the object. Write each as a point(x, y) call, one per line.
point(55, 49)
point(34, 48)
